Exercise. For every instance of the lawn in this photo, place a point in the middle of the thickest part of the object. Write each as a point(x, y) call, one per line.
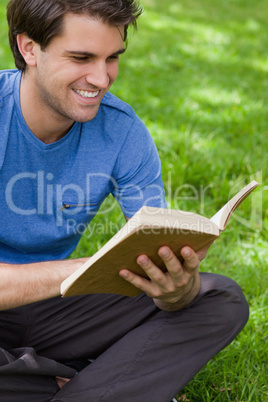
point(197, 74)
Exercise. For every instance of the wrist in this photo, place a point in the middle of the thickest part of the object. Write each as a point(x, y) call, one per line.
point(186, 296)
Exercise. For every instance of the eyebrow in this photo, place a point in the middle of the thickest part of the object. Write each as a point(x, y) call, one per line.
point(88, 54)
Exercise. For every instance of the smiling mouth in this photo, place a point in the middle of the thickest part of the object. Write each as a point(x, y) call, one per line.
point(87, 94)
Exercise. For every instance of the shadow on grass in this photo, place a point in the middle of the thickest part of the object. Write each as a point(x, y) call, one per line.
point(203, 71)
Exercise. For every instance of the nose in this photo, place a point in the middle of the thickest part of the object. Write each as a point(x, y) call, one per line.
point(98, 75)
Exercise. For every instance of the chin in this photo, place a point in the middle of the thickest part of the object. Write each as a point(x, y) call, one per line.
point(84, 120)
point(86, 117)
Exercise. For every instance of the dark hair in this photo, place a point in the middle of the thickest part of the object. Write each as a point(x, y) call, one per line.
point(42, 20)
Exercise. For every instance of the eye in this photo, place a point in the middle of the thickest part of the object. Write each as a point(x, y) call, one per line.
point(113, 58)
point(80, 58)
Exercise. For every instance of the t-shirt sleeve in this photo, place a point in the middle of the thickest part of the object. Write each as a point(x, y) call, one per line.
point(137, 172)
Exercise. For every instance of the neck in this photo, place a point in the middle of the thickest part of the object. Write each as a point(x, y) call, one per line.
point(41, 120)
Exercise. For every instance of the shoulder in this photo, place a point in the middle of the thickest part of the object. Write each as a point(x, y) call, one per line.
point(117, 106)
point(7, 85)
point(116, 121)
point(122, 118)
point(7, 81)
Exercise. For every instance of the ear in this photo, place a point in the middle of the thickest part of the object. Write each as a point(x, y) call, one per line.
point(27, 48)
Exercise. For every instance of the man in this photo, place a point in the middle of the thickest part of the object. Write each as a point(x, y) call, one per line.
point(66, 143)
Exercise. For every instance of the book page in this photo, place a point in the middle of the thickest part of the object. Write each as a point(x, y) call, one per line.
point(222, 216)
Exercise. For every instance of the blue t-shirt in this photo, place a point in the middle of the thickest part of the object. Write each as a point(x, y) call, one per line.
point(49, 191)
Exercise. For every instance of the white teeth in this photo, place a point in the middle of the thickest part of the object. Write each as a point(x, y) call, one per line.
point(86, 94)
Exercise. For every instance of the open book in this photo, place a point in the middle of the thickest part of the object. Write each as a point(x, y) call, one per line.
point(148, 230)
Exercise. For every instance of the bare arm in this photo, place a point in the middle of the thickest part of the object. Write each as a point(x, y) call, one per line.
point(29, 283)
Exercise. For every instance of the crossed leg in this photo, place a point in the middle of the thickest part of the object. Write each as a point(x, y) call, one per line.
point(139, 352)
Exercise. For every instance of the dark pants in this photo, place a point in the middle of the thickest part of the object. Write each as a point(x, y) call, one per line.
point(140, 353)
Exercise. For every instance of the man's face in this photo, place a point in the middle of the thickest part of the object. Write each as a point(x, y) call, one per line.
point(76, 70)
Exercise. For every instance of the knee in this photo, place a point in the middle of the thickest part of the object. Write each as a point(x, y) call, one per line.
point(236, 307)
point(229, 302)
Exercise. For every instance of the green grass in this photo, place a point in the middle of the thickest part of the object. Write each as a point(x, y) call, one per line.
point(197, 74)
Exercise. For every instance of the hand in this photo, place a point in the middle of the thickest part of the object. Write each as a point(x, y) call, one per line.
point(61, 381)
point(174, 289)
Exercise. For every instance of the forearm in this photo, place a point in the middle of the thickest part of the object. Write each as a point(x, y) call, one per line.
point(29, 283)
point(187, 296)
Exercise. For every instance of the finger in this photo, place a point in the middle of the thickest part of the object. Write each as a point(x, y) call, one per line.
point(203, 252)
point(170, 260)
point(191, 260)
point(136, 280)
point(151, 270)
